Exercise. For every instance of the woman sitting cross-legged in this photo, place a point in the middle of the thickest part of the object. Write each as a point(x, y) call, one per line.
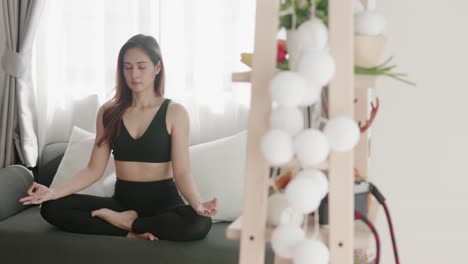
point(149, 137)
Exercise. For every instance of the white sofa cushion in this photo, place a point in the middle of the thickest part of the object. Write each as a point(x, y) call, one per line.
point(219, 167)
point(76, 157)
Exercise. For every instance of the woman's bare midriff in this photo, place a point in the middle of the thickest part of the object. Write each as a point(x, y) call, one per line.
point(142, 171)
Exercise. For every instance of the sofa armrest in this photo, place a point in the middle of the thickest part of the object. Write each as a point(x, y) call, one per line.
point(14, 182)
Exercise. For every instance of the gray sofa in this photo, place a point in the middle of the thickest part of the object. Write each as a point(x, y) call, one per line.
point(27, 238)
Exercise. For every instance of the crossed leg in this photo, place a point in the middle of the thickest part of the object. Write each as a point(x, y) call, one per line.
point(180, 223)
point(73, 213)
point(88, 214)
point(123, 220)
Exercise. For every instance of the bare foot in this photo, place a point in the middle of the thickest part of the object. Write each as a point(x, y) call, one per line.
point(122, 220)
point(147, 236)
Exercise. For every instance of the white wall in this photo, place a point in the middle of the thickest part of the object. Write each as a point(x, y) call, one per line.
point(2, 46)
point(420, 137)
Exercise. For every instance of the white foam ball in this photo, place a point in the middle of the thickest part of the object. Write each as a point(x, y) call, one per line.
point(287, 88)
point(304, 194)
point(342, 133)
point(285, 238)
point(311, 147)
point(317, 67)
point(276, 147)
point(279, 212)
point(289, 119)
point(311, 251)
point(369, 23)
point(313, 34)
point(291, 216)
point(312, 94)
point(319, 177)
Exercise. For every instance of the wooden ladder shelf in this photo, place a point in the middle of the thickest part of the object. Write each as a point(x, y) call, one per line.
point(250, 228)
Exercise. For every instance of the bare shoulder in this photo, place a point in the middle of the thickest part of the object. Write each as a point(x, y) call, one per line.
point(177, 115)
point(176, 111)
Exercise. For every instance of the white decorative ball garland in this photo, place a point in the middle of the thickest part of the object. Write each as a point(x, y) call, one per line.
point(343, 133)
point(287, 138)
point(280, 212)
point(317, 67)
point(277, 147)
point(287, 88)
point(304, 194)
point(311, 251)
point(312, 94)
point(311, 147)
point(289, 119)
point(285, 238)
point(313, 34)
point(319, 177)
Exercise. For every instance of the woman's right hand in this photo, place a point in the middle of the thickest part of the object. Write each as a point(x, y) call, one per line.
point(38, 193)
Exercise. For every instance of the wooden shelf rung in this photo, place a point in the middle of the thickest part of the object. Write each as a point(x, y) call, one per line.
point(362, 235)
point(294, 164)
point(234, 230)
point(241, 76)
point(360, 81)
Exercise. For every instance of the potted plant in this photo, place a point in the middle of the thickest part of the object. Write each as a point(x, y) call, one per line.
point(369, 39)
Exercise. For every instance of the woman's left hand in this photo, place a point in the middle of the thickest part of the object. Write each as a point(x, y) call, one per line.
point(208, 208)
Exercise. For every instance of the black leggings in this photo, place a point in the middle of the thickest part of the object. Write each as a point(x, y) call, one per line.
point(160, 209)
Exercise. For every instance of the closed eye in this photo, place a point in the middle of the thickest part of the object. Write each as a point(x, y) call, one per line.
point(130, 68)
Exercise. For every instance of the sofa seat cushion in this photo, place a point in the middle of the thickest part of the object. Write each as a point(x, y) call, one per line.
point(27, 238)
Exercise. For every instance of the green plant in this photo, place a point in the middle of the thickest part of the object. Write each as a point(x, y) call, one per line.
point(383, 69)
point(321, 10)
point(295, 12)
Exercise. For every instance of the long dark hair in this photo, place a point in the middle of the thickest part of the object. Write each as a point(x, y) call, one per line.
point(123, 98)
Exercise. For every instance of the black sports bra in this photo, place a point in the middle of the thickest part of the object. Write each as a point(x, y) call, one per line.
point(153, 146)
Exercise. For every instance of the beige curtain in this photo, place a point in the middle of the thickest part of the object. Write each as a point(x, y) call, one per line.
point(18, 115)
